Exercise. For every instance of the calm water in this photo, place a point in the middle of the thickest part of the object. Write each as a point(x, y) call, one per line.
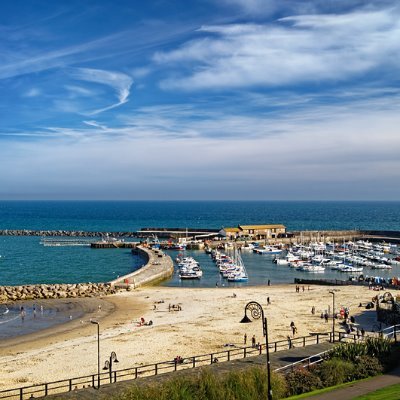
point(24, 261)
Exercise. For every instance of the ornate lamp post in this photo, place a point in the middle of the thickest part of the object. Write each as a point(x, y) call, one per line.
point(333, 316)
point(257, 312)
point(108, 364)
point(98, 352)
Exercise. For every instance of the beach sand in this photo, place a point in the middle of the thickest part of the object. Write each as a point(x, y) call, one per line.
point(208, 320)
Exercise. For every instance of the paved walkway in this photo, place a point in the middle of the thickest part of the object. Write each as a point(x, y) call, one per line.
point(361, 388)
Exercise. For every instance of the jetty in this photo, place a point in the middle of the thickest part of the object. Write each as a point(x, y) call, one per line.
point(158, 267)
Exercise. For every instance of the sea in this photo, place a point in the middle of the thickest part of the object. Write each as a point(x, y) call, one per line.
point(24, 260)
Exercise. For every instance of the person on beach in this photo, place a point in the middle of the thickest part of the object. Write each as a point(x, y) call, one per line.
point(245, 338)
point(269, 282)
point(313, 310)
point(253, 341)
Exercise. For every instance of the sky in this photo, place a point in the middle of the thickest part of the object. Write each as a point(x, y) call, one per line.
point(200, 100)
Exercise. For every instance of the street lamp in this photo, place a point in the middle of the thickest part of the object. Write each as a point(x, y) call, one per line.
point(333, 316)
point(257, 312)
point(98, 352)
point(108, 364)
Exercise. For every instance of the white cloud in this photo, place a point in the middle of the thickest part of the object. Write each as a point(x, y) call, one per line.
point(33, 92)
point(120, 82)
point(301, 49)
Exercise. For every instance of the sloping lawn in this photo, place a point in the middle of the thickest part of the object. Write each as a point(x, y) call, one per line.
point(387, 393)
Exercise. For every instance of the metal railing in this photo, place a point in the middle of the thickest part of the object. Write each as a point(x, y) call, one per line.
point(235, 353)
point(305, 362)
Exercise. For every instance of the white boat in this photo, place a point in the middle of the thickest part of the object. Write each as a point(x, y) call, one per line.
point(351, 269)
point(190, 274)
point(267, 250)
point(311, 268)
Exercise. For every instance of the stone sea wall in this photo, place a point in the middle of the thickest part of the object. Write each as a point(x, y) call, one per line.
point(54, 291)
point(29, 232)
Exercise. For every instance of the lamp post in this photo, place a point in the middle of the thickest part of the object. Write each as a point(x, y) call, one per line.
point(333, 316)
point(257, 312)
point(108, 364)
point(98, 352)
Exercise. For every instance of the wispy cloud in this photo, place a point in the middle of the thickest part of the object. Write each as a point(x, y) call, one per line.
point(300, 49)
point(120, 82)
point(95, 125)
point(33, 92)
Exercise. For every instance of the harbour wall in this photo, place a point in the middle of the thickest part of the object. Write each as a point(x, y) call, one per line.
point(158, 267)
point(290, 237)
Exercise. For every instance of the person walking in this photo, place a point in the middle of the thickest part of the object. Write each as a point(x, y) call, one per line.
point(253, 341)
point(245, 338)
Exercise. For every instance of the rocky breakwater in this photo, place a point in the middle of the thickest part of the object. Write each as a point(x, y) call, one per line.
point(54, 291)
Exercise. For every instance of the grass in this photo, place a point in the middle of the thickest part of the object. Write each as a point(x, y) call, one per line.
point(387, 393)
point(326, 390)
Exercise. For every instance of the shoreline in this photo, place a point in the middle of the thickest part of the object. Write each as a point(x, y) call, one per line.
point(208, 320)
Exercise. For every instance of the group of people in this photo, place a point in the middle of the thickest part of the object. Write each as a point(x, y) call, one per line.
point(174, 307)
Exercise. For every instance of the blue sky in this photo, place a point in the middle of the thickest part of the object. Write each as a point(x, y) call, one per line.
point(211, 99)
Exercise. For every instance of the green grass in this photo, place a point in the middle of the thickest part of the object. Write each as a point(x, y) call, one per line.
point(387, 393)
point(325, 390)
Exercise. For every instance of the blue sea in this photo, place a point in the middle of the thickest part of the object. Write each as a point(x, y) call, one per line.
point(25, 261)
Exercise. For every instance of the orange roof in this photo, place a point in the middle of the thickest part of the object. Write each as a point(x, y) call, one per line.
point(260, 227)
point(231, 229)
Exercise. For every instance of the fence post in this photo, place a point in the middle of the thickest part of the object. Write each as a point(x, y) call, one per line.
point(70, 385)
point(46, 389)
point(276, 349)
point(21, 394)
point(194, 362)
point(317, 338)
point(92, 380)
point(136, 371)
point(229, 355)
point(244, 352)
point(155, 369)
point(304, 341)
point(211, 361)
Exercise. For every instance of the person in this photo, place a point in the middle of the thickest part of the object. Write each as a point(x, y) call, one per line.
point(289, 341)
point(253, 341)
point(269, 282)
point(313, 310)
point(326, 316)
point(268, 301)
point(245, 338)
point(23, 313)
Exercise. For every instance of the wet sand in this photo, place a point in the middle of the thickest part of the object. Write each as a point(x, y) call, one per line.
point(208, 320)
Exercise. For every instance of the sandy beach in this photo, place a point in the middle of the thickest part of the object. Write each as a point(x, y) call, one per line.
point(208, 319)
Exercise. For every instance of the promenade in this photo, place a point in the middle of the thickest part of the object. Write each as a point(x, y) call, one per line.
point(278, 359)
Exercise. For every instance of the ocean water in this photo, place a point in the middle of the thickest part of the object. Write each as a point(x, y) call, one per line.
point(25, 261)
